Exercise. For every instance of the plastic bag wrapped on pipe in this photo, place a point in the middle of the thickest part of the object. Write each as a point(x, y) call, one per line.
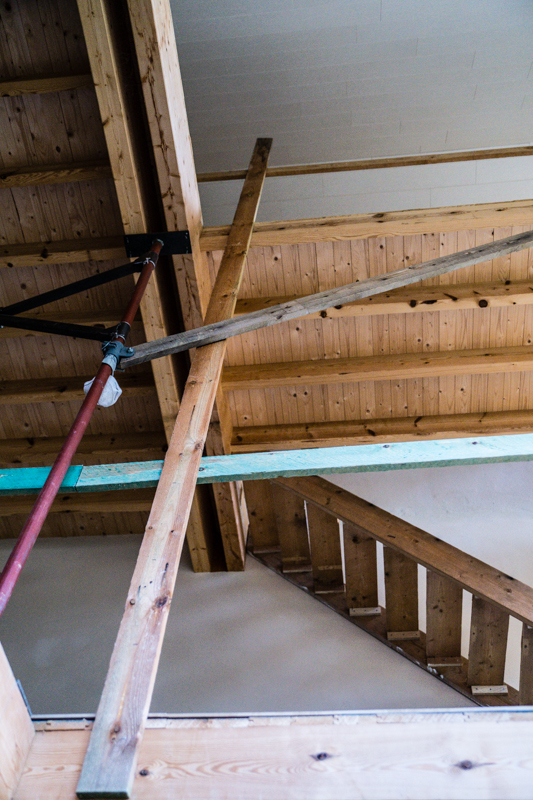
point(111, 393)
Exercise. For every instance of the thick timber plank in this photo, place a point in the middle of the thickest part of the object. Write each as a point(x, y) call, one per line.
point(16, 731)
point(460, 755)
point(292, 531)
point(378, 368)
point(258, 438)
point(42, 85)
point(326, 557)
point(54, 390)
point(360, 566)
point(61, 252)
point(328, 299)
point(488, 644)
point(55, 173)
point(472, 574)
point(444, 605)
point(263, 527)
point(390, 223)
point(401, 593)
point(109, 766)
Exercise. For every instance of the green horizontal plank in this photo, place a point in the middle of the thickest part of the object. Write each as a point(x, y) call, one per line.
point(30, 480)
point(292, 463)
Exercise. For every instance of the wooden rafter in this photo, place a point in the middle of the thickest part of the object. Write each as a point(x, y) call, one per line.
point(41, 84)
point(61, 252)
point(105, 48)
point(109, 765)
point(157, 56)
point(54, 390)
point(389, 223)
point(50, 174)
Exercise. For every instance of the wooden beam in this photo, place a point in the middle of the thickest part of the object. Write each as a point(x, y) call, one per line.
point(366, 431)
point(329, 298)
point(16, 731)
point(55, 390)
point(389, 223)
point(260, 466)
point(396, 366)
point(169, 131)
point(289, 513)
point(94, 503)
point(401, 595)
point(109, 766)
point(444, 606)
point(414, 300)
point(481, 579)
point(373, 163)
point(62, 252)
point(455, 754)
point(41, 85)
point(50, 174)
point(488, 644)
point(111, 72)
point(97, 447)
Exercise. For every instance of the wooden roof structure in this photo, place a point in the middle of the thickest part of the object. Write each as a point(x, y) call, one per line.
point(95, 146)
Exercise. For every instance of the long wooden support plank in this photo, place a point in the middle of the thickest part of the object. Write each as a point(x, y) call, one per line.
point(53, 390)
point(259, 438)
point(61, 252)
point(389, 223)
point(459, 754)
point(49, 174)
point(109, 766)
point(328, 299)
point(97, 503)
point(260, 466)
point(395, 366)
point(41, 85)
point(373, 163)
point(472, 574)
point(415, 300)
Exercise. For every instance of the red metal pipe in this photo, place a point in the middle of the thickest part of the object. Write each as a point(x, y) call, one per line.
point(47, 495)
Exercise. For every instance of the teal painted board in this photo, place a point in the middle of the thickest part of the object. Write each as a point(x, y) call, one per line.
point(137, 475)
point(30, 480)
point(260, 466)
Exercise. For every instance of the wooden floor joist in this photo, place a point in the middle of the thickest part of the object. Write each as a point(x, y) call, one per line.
point(41, 84)
point(49, 174)
point(62, 252)
point(389, 223)
point(109, 766)
point(396, 366)
point(61, 390)
point(365, 431)
point(330, 298)
point(414, 300)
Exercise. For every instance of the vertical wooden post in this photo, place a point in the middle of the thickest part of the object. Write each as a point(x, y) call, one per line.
point(444, 605)
point(360, 565)
point(325, 543)
point(263, 527)
point(109, 765)
point(488, 647)
point(16, 731)
point(526, 667)
point(401, 595)
point(292, 530)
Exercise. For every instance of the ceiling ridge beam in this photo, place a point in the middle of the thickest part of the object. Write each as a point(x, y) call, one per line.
point(373, 163)
point(388, 223)
point(256, 438)
point(394, 366)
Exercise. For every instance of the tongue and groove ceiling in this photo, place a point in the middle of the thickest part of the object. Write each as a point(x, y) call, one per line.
point(327, 81)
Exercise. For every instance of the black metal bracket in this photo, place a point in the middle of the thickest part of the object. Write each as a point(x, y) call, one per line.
point(174, 243)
